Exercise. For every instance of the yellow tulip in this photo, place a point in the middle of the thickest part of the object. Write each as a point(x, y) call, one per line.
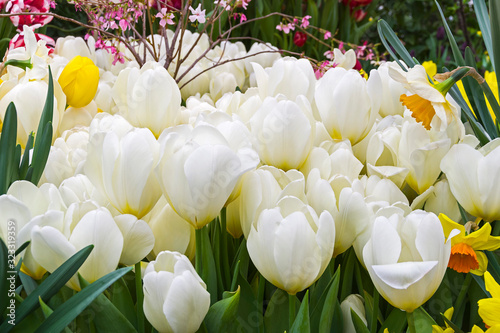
point(79, 81)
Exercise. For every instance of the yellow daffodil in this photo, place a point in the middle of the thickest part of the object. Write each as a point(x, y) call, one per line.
point(427, 100)
point(79, 81)
point(466, 247)
point(489, 308)
point(438, 329)
point(430, 68)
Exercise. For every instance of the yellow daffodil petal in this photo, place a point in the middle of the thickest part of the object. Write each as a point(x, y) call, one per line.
point(449, 313)
point(483, 263)
point(437, 329)
point(482, 239)
point(448, 225)
point(492, 286)
point(489, 310)
point(476, 329)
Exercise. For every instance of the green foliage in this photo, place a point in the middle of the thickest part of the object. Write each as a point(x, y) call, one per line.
point(12, 166)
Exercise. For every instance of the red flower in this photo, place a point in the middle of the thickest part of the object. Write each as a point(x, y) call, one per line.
point(30, 6)
point(356, 3)
point(299, 38)
point(359, 15)
point(18, 41)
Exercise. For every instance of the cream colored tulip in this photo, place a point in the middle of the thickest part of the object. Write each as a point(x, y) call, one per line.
point(291, 245)
point(175, 297)
point(473, 176)
point(122, 169)
point(407, 257)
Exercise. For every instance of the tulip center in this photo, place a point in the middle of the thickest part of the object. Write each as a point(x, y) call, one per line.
point(422, 110)
point(463, 258)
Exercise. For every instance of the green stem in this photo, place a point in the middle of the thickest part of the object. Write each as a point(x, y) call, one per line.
point(260, 299)
point(373, 322)
point(411, 322)
point(496, 228)
point(140, 298)
point(224, 252)
point(197, 256)
point(461, 296)
point(291, 310)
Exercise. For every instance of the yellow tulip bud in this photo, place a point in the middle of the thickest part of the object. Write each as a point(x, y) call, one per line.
point(79, 81)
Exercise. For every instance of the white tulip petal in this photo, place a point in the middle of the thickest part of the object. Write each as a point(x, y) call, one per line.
point(403, 275)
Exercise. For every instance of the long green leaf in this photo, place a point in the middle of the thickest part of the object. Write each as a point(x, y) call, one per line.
point(42, 153)
point(389, 38)
point(23, 168)
point(359, 325)
point(301, 323)
point(63, 315)
point(52, 284)
point(484, 24)
point(8, 147)
point(209, 273)
point(325, 322)
point(122, 299)
point(459, 59)
point(495, 37)
point(107, 318)
point(42, 141)
point(395, 322)
point(4, 283)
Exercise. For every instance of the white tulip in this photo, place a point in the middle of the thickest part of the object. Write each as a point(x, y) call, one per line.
point(148, 97)
point(175, 297)
point(122, 169)
point(347, 103)
point(407, 258)
point(198, 171)
point(290, 245)
point(283, 131)
point(138, 238)
point(353, 302)
point(391, 92)
point(474, 176)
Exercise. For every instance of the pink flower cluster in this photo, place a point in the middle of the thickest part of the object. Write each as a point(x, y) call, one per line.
point(286, 28)
point(29, 6)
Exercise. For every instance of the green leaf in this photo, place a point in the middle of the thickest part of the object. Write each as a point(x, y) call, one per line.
point(47, 311)
point(389, 38)
point(325, 321)
point(51, 285)
point(348, 274)
point(8, 148)
point(395, 322)
point(222, 315)
point(23, 168)
point(63, 315)
point(359, 325)
point(208, 273)
point(495, 37)
point(454, 47)
point(276, 317)
point(4, 283)
point(301, 323)
point(484, 24)
point(22, 247)
point(249, 313)
point(122, 300)
point(423, 322)
point(28, 283)
point(41, 153)
point(107, 318)
point(43, 139)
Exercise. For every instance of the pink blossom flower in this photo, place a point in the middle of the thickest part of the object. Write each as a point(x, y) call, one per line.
point(223, 3)
point(165, 17)
point(244, 3)
point(327, 35)
point(305, 21)
point(329, 54)
point(286, 28)
point(197, 14)
point(243, 18)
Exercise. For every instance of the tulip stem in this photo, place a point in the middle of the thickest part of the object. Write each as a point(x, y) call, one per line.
point(411, 322)
point(291, 310)
point(140, 297)
point(197, 256)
